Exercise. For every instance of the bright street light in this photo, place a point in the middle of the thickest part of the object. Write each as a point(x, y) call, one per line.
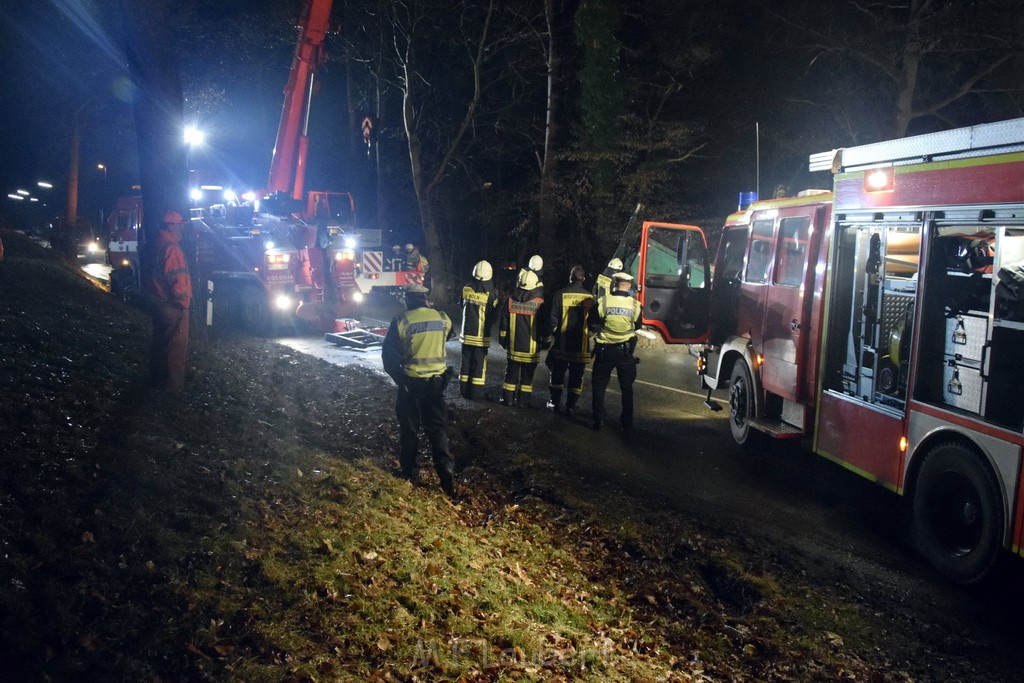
point(43, 183)
point(103, 196)
point(24, 193)
point(194, 137)
point(15, 196)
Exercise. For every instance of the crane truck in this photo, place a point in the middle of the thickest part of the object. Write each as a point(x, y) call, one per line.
point(289, 252)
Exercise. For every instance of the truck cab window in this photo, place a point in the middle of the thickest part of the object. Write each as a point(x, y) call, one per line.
point(760, 257)
point(792, 250)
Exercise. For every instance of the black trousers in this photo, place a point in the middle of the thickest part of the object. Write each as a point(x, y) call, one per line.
point(617, 357)
point(421, 404)
point(518, 382)
point(473, 372)
point(559, 369)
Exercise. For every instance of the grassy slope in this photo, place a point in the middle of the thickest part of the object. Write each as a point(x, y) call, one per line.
point(256, 533)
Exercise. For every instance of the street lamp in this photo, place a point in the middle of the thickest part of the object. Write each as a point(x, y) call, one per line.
point(103, 196)
point(194, 137)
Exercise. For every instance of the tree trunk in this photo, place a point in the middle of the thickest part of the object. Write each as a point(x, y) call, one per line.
point(64, 243)
point(912, 52)
point(548, 206)
point(150, 39)
point(438, 266)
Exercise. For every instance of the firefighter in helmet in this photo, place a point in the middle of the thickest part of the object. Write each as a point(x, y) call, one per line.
point(570, 340)
point(604, 280)
point(168, 290)
point(415, 261)
point(519, 333)
point(396, 261)
point(616, 322)
point(536, 266)
point(479, 311)
point(414, 357)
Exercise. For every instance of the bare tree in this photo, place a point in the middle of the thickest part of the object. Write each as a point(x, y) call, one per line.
point(918, 61)
point(444, 70)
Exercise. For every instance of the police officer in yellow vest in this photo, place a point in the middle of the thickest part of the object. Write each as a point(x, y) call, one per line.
point(479, 311)
point(616, 322)
point(414, 356)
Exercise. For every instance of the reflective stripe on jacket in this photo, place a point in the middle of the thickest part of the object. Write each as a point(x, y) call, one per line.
point(570, 315)
point(519, 328)
point(422, 333)
point(479, 307)
point(603, 284)
point(618, 312)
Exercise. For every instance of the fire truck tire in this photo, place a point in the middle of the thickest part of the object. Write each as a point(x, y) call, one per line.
point(742, 406)
point(958, 513)
point(253, 311)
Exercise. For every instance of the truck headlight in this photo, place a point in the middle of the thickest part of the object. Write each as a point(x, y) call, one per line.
point(283, 302)
point(357, 297)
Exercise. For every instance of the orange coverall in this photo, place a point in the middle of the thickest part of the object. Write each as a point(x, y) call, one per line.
point(170, 290)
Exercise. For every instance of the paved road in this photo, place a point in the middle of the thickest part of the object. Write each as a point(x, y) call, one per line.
point(682, 458)
point(682, 455)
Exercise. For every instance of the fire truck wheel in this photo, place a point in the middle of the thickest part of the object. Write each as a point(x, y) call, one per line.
point(253, 313)
point(742, 405)
point(958, 513)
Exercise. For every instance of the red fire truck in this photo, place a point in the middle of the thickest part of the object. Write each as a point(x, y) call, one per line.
point(882, 321)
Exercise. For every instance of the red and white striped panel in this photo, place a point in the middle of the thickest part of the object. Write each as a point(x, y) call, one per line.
point(373, 261)
point(408, 277)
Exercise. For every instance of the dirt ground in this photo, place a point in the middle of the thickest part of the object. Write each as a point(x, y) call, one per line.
point(240, 535)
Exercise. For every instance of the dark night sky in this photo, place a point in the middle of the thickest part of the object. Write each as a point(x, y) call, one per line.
point(53, 61)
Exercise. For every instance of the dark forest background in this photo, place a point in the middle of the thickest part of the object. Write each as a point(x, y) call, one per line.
point(504, 128)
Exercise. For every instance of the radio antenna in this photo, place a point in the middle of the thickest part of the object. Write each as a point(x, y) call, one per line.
point(757, 160)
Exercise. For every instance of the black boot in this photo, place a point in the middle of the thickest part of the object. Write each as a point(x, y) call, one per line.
point(447, 477)
point(570, 405)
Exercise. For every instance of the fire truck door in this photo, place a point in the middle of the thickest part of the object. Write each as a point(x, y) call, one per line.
point(674, 283)
point(786, 311)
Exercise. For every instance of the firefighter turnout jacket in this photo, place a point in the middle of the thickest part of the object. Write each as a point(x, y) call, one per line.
point(414, 345)
point(519, 327)
point(479, 310)
point(617, 313)
point(570, 317)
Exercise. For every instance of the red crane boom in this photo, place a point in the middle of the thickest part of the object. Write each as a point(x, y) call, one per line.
point(288, 167)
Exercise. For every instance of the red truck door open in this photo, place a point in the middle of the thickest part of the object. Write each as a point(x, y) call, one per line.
point(674, 281)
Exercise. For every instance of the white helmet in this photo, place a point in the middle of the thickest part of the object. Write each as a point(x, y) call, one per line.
point(528, 280)
point(615, 264)
point(536, 263)
point(482, 271)
point(409, 247)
